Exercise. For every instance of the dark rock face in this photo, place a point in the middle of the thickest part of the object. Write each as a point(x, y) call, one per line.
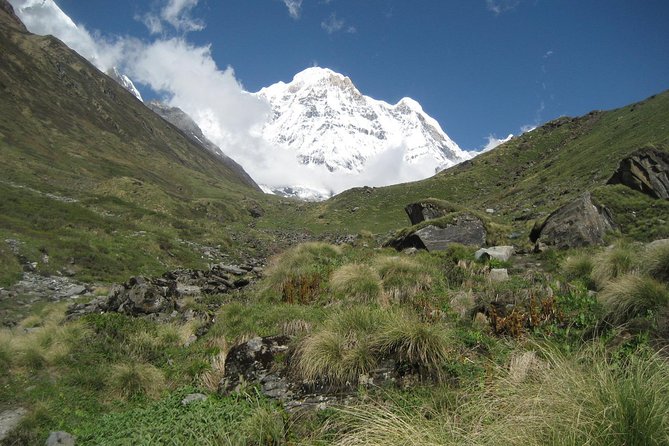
point(465, 229)
point(646, 170)
point(141, 296)
point(579, 223)
point(419, 212)
point(253, 362)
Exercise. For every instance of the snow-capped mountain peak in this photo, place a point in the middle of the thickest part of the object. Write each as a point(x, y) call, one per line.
point(124, 81)
point(327, 121)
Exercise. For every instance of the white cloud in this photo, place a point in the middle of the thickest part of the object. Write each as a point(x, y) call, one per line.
point(176, 13)
point(45, 17)
point(187, 77)
point(332, 24)
point(500, 6)
point(294, 8)
point(494, 142)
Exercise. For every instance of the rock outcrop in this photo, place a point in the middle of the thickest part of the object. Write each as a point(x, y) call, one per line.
point(141, 296)
point(646, 170)
point(576, 224)
point(265, 361)
point(423, 211)
point(464, 229)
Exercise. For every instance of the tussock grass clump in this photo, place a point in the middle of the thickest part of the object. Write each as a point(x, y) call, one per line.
point(402, 277)
point(577, 400)
point(351, 343)
point(631, 296)
point(579, 267)
point(40, 340)
point(135, 379)
point(358, 282)
point(265, 426)
point(298, 274)
point(211, 377)
point(586, 399)
point(656, 260)
point(342, 349)
point(422, 346)
point(613, 262)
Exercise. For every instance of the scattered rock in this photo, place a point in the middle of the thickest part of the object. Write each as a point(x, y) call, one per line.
point(252, 362)
point(60, 438)
point(646, 170)
point(579, 223)
point(465, 229)
point(502, 253)
point(498, 275)
point(9, 419)
point(265, 361)
point(192, 398)
point(141, 296)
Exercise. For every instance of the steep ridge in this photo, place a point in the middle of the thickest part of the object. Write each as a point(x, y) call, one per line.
point(181, 120)
point(323, 117)
point(86, 167)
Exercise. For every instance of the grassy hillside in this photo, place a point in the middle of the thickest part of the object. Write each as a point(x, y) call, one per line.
point(522, 180)
point(95, 179)
point(569, 349)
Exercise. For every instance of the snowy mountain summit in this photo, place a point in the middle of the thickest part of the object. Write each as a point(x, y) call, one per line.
point(323, 117)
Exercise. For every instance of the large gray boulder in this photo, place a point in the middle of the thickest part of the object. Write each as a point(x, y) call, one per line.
point(464, 229)
point(423, 211)
point(646, 170)
point(576, 224)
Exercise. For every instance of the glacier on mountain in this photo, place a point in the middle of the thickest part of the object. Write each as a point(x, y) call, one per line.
point(323, 118)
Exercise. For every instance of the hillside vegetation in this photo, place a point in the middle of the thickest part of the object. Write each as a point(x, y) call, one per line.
point(522, 180)
point(266, 336)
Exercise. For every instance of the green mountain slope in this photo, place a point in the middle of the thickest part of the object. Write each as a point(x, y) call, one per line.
point(522, 180)
point(86, 167)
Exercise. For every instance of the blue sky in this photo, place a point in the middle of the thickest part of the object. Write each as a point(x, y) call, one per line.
point(480, 67)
